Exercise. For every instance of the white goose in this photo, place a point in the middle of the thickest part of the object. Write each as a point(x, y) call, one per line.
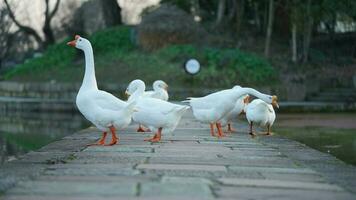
point(159, 92)
point(213, 107)
point(260, 113)
point(235, 112)
point(101, 108)
point(156, 114)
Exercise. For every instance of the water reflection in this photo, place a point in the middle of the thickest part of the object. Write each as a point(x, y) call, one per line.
point(329, 133)
point(21, 132)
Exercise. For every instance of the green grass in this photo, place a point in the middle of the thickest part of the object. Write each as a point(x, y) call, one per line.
point(118, 61)
point(28, 142)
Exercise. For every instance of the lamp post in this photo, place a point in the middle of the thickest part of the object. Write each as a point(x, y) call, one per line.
point(192, 66)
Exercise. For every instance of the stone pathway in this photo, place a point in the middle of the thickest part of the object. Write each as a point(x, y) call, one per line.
point(188, 164)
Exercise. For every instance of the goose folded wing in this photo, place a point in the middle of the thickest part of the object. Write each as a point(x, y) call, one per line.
point(108, 101)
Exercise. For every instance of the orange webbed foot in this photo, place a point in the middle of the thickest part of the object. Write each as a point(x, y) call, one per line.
point(230, 129)
point(156, 137)
point(100, 142)
point(95, 144)
point(151, 139)
point(141, 130)
point(113, 142)
point(114, 138)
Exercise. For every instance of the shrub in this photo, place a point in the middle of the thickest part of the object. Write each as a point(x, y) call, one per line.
point(223, 67)
point(60, 55)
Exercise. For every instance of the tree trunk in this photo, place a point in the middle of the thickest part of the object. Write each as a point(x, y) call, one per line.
point(269, 27)
point(265, 16)
point(113, 12)
point(308, 29)
point(257, 16)
point(48, 33)
point(231, 9)
point(239, 16)
point(47, 29)
point(294, 43)
point(220, 12)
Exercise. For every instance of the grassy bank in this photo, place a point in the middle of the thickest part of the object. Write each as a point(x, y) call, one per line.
point(117, 60)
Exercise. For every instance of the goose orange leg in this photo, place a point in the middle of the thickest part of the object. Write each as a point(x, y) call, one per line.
point(268, 130)
point(220, 131)
point(156, 137)
point(230, 128)
point(142, 130)
point(101, 141)
point(212, 129)
point(114, 138)
point(251, 131)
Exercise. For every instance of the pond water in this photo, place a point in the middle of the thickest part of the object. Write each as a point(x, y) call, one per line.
point(24, 132)
point(330, 133)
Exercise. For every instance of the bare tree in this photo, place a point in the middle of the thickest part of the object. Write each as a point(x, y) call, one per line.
point(308, 28)
point(294, 18)
point(46, 28)
point(240, 11)
point(220, 12)
point(294, 45)
point(269, 27)
point(5, 34)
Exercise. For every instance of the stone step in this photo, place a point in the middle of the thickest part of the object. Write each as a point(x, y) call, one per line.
point(331, 99)
point(342, 90)
point(315, 106)
point(336, 94)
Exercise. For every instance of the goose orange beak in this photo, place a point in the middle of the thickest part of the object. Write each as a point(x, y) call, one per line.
point(73, 42)
point(247, 100)
point(127, 93)
point(274, 101)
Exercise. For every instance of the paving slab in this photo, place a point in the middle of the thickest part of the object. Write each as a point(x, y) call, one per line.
point(187, 164)
point(280, 184)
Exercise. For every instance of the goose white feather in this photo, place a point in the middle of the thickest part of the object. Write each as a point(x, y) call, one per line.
point(159, 91)
point(154, 113)
point(101, 108)
point(235, 112)
point(260, 113)
point(213, 107)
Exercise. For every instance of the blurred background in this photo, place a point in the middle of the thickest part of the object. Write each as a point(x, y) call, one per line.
point(302, 50)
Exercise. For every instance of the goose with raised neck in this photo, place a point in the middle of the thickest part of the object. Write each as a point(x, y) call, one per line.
point(89, 80)
point(101, 108)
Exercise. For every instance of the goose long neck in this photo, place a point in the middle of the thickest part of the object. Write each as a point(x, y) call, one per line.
point(89, 81)
point(160, 90)
point(137, 94)
point(243, 91)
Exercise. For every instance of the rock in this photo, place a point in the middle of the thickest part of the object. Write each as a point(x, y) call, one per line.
point(95, 15)
point(168, 24)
